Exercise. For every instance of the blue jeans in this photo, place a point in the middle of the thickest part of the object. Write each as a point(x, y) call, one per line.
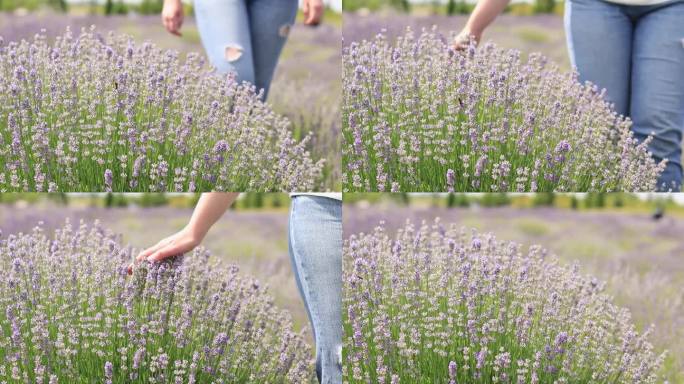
point(315, 233)
point(637, 54)
point(245, 36)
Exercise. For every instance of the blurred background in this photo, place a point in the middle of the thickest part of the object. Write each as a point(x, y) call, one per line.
point(634, 242)
point(252, 234)
point(306, 87)
point(526, 25)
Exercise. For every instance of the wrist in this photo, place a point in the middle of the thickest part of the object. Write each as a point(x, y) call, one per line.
point(195, 235)
point(473, 30)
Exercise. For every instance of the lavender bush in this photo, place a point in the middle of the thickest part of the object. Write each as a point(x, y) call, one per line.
point(94, 113)
point(418, 116)
point(71, 314)
point(439, 305)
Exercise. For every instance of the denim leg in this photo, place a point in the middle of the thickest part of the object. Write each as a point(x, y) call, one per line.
point(271, 21)
point(599, 37)
point(225, 32)
point(657, 104)
point(315, 233)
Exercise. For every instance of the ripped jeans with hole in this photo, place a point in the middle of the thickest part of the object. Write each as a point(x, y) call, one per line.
point(636, 52)
point(315, 235)
point(245, 36)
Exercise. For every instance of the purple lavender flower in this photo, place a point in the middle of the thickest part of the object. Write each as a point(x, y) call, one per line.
point(71, 286)
point(108, 372)
point(429, 302)
point(450, 180)
point(418, 111)
point(452, 372)
point(137, 111)
point(108, 179)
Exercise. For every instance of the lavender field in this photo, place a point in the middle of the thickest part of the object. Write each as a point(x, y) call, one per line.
point(238, 238)
point(309, 69)
point(76, 314)
point(639, 259)
point(420, 116)
point(540, 33)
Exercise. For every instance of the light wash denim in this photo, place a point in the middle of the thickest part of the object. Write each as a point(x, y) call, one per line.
point(255, 30)
point(637, 54)
point(315, 232)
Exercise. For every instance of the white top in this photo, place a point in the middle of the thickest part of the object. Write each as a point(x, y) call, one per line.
point(330, 195)
point(638, 2)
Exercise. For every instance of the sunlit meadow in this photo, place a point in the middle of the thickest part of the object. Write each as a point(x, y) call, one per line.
point(419, 116)
point(435, 303)
point(73, 314)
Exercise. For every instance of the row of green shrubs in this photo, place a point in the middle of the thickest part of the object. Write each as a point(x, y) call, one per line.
point(453, 7)
point(559, 200)
point(251, 200)
point(110, 7)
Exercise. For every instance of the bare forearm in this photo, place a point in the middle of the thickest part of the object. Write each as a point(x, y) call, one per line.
point(210, 207)
point(484, 14)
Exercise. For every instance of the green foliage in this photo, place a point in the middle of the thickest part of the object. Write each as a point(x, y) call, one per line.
point(254, 200)
point(455, 7)
point(258, 200)
point(11, 198)
point(148, 7)
point(59, 5)
point(458, 200)
point(404, 5)
point(374, 5)
point(109, 200)
point(543, 199)
point(353, 198)
point(115, 200)
point(400, 198)
point(250, 200)
point(11, 5)
point(60, 198)
point(544, 6)
point(115, 8)
point(495, 200)
point(595, 200)
point(153, 200)
point(451, 200)
point(520, 9)
point(277, 200)
point(195, 199)
point(574, 203)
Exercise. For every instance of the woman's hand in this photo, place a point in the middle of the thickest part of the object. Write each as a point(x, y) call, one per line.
point(462, 40)
point(172, 16)
point(313, 11)
point(208, 210)
point(176, 244)
point(484, 14)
